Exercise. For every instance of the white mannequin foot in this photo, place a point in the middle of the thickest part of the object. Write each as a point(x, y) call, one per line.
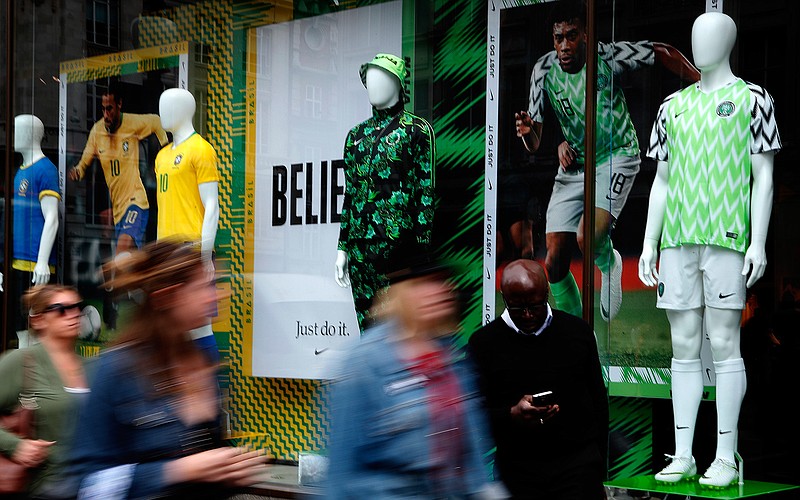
point(680, 469)
point(720, 474)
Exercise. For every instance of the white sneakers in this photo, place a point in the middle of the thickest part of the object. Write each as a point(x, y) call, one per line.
point(720, 474)
point(680, 468)
point(611, 289)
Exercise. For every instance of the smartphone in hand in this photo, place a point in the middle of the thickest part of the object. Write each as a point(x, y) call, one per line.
point(542, 399)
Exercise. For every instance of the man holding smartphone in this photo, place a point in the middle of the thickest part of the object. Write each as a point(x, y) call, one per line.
point(540, 375)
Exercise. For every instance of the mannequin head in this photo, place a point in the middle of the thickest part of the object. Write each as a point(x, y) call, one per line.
point(176, 108)
point(28, 133)
point(713, 36)
point(387, 80)
point(383, 88)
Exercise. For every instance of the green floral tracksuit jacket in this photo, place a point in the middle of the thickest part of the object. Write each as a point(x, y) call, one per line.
point(387, 213)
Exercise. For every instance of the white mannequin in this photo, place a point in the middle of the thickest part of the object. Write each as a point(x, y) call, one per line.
point(383, 91)
point(713, 37)
point(28, 134)
point(176, 108)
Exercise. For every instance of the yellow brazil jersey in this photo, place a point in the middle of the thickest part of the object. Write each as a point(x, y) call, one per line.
point(118, 153)
point(179, 171)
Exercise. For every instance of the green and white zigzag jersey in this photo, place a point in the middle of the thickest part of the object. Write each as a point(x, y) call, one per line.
point(707, 140)
point(567, 94)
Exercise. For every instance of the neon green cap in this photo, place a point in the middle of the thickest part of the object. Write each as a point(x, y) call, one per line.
point(391, 63)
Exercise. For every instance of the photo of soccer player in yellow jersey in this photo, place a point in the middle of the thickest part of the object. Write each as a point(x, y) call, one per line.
point(114, 141)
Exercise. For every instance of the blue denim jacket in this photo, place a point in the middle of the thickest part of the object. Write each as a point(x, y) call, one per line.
point(126, 435)
point(380, 436)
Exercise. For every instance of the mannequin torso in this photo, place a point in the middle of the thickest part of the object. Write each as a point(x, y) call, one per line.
point(188, 189)
point(711, 232)
point(188, 196)
point(36, 197)
point(388, 205)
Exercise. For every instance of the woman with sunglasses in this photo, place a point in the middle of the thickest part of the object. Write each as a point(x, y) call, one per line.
point(153, 424)
point(54, 373)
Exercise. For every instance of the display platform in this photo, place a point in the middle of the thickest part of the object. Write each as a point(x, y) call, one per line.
point(281, 481)
point(693, 489)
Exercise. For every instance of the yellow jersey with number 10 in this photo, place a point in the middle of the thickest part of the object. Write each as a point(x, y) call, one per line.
point(118, 153)
point(179, 171)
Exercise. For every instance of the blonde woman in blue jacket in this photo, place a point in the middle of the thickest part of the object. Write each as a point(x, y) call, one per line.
point(406, 420)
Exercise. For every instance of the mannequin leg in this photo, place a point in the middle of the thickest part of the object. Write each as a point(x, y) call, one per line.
point(731, 386)
point(723, 331)
point(687, 391)
point(686, 330)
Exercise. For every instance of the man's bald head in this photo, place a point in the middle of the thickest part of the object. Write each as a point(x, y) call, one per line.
point(523, 274)
point(525, 292)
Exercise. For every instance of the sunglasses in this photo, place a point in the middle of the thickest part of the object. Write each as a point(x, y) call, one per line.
point(63, 308)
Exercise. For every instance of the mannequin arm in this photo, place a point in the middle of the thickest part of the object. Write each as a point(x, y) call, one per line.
point(209, 195)
point(755, 259)
point(655, 221)
point(342, 271)
point(674, 60)
point(41, 271)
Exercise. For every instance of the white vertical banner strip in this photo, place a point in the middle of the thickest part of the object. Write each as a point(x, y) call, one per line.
point(62, 175)
point(183, 71)
point(490, 180)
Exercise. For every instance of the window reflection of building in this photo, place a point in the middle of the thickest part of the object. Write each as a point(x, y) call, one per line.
point(102, 23)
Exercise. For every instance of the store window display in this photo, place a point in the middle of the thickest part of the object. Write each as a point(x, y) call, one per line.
point(389, 192)
point(559, 77)
point(35, 211)
point(188, 189)
point(709, 208)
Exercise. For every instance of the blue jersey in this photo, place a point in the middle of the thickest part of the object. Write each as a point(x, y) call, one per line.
point(31, 184)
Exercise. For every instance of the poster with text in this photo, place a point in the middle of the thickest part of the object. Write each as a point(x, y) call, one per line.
point(308, 96)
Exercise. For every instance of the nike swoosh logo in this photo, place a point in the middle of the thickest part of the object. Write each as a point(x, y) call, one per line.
point(726, 296)
point(679, 113)
point(610, 198)
point(725, 432)
point(708, 373)
point(559, 91)
point(679, 427)
point(358, 141)
point(317, 352)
